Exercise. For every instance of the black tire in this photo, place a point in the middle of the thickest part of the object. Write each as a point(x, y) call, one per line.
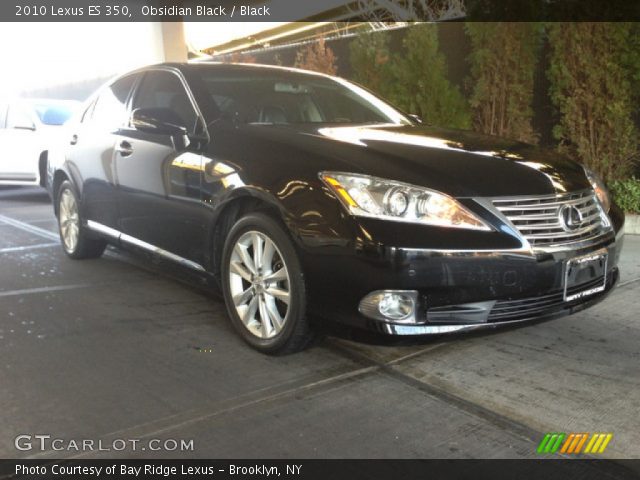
point(84, 246)
point(295, 333)
point(43, 168)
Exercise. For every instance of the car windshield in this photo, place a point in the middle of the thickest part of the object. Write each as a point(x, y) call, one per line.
point(292, 98)
point(53, 114)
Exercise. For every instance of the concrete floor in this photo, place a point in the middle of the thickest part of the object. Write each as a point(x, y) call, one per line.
point(120, 348)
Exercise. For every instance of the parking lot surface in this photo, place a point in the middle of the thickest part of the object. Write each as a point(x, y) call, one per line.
point(121, 348)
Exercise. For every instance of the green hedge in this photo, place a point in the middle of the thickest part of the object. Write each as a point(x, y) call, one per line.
point(591, 74)
point(626, 194)
point(414, 78)
point(592, 69)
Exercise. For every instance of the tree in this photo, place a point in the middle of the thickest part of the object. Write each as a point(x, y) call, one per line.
point(277, 59)
point(591, 89)
point(503, 61)
point(318, 57)
point(420, 84)
point(239, 57)
point(369, 57)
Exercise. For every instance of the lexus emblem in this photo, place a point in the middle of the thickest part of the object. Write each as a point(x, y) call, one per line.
point(570, 217)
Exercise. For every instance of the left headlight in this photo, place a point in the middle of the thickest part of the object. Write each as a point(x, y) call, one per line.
point(600, 188)
point(367, 196)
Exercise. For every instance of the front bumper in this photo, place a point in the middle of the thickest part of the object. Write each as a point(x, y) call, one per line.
point(523, 310)
point(458, 290)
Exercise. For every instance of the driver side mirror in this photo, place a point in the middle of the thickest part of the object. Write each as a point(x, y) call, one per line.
point(161, 121)
point(415, 118)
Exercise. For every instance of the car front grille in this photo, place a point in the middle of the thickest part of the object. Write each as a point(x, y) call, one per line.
point(538, 219)
point(505, 310)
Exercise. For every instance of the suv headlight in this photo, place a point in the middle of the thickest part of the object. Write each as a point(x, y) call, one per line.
point(600, 188)
point(367, 196)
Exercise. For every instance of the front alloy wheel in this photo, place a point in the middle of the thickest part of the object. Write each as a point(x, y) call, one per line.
point(259, 284)
point(264, 287)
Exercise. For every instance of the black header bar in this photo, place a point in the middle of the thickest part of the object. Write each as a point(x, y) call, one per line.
point(316, 10)
point(319, 469)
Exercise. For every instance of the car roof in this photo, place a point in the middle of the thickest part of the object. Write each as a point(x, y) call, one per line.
point(249, 68)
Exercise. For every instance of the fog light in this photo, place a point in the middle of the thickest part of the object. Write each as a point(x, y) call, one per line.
point(394, 306)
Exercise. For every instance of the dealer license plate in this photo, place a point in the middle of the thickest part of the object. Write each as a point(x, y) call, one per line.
point(589, 271)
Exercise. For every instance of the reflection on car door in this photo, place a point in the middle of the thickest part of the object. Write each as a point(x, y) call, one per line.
point(159, 184)
point(91, 151)
point(19, 146)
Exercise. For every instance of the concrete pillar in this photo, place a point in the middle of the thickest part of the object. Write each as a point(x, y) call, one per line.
point(169, 42)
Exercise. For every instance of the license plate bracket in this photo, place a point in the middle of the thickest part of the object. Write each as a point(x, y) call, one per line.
point(585, 270)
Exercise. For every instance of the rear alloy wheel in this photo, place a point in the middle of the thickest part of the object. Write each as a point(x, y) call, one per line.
point(75, 239)
point(264, 286)
point(69, 221)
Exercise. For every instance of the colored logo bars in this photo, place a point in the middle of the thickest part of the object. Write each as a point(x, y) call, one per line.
point(573, 443)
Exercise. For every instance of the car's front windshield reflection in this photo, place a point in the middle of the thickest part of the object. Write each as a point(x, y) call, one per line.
point(292, 98)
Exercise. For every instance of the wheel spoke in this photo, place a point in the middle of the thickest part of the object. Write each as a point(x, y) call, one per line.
point(244, 297)
point(73, 236)
point(278, 276)
point(64, 207)
point(67, 202)
point(243, 254)
point(274, 314)
point(267, 255)
point(258, 247)
point(64, 201)
point(250, 312)
point(278, 293)
point(265, 319)
point(239, 269)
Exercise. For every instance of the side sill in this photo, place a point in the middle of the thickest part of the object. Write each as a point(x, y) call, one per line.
point(118, 236)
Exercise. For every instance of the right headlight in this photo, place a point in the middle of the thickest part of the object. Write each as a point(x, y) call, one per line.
point(367, 196)
point(600, 188)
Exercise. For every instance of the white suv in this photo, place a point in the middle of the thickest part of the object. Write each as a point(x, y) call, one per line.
point(27, 130)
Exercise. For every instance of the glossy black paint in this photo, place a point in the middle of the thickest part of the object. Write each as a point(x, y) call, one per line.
point(178, 193)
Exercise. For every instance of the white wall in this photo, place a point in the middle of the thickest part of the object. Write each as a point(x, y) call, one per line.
point(39, 55)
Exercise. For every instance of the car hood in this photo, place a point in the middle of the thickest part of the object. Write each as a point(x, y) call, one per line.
point(460, 163)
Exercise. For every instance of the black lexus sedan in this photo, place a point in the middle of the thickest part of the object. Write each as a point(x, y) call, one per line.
point(303, 196)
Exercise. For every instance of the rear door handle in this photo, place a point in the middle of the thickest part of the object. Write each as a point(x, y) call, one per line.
point(124, 149)
point(74, 139)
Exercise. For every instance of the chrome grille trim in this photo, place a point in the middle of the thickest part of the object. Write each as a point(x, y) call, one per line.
point(537, 219)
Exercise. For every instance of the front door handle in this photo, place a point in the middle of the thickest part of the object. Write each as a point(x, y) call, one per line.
point(124, 149)
point(74, 139)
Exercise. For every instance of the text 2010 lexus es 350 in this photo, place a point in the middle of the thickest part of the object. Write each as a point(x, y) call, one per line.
point(305, 196)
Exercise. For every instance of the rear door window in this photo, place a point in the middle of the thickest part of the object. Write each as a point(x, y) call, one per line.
point(164, 90)
point(110, 109)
